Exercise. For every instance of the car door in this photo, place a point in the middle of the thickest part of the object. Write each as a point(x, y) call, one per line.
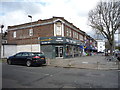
point(17, 57)
point(24, 57)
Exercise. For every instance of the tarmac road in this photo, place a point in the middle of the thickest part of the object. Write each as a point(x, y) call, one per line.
point(17, 76)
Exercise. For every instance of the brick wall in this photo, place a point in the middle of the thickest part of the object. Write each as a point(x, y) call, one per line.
point(72, 30)
point(22, 35)
point(46, 30)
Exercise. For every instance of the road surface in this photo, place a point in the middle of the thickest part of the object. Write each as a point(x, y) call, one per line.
point(18, 76)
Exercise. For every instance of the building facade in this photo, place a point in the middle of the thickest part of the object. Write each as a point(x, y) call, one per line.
point(56, 37)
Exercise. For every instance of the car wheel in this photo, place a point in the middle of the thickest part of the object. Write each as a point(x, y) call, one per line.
point(118, 58)
point(9, 62)
point(28, 63)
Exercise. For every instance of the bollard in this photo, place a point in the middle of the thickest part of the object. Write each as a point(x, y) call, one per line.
point(69, 63)
point(118, 65)
point(48, 61)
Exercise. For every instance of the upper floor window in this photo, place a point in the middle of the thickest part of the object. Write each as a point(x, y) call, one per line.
point(75, 34)
point(85, 38)
point(81, 37)
point(14, 34)
point(30, 32)
point(58, 28)
point(68, 32)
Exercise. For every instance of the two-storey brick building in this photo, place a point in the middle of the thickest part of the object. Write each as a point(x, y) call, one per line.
point(56, 37)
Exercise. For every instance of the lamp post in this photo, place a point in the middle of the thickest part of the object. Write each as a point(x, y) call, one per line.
point(1, 37)
point(119, 38)
point(31, 31)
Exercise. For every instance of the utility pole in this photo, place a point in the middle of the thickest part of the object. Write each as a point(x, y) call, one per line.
point(1, 37)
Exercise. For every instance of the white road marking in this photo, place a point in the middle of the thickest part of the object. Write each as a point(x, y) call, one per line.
point(85, 62)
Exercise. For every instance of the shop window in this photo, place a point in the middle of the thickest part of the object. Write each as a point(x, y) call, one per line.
point(68, 50)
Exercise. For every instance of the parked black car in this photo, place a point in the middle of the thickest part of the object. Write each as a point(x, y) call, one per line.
point(27, 58)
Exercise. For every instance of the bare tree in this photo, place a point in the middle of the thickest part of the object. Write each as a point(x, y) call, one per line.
point(106, 19)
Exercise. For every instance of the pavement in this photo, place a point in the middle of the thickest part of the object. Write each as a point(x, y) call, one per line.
point(85, 62)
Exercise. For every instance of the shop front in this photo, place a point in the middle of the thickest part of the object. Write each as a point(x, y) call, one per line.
point(60, 47)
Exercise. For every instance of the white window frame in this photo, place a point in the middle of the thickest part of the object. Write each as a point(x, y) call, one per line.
point(68, 32)
point(58, 29)
point(14, 34)
point(58, 32)
point(75, 34)
point(30, 32)
point(62, 27)
point(81, 37)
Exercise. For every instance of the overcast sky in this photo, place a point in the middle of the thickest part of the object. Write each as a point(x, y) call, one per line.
point(14, 12)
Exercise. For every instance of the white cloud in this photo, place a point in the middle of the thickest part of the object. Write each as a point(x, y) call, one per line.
point(75, 11)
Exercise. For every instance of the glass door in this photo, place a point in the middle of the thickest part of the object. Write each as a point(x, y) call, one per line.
point(59, 51)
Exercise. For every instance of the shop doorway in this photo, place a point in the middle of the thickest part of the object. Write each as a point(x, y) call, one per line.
point(59, 52)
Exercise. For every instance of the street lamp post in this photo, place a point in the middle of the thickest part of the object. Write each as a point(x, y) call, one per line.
point(118, 37)
point(31, 31)
point(1, 37)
